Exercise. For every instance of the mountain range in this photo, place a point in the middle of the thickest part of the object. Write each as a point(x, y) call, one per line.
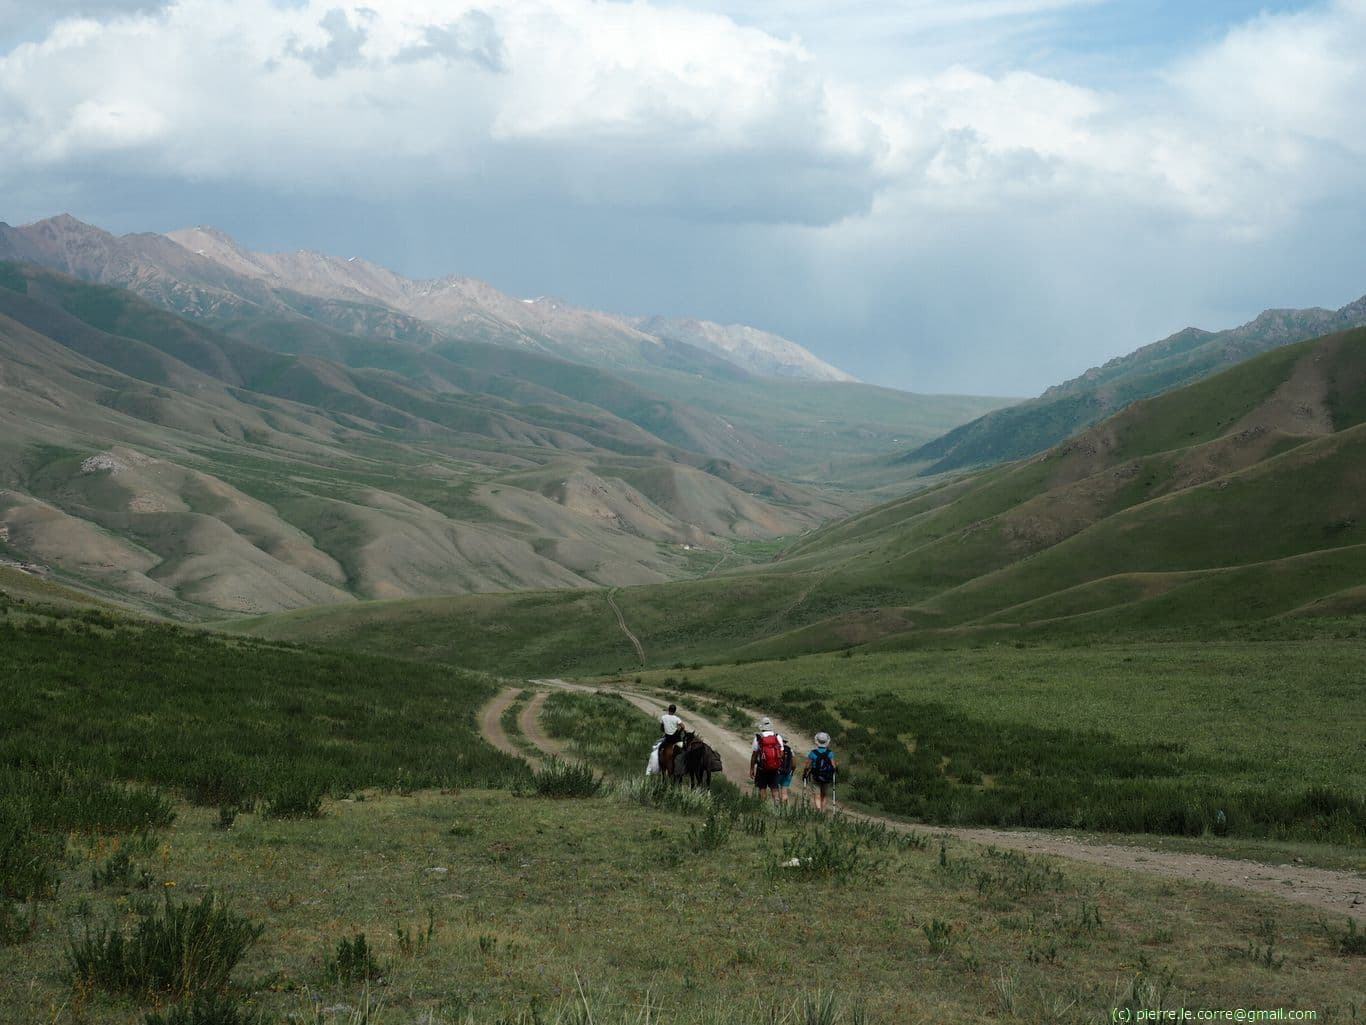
point(1027, 428)
point(1238, 500)
point(204, 273)
point(257, 461)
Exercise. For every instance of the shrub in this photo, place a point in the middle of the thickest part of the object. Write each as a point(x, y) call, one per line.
point(59, 798)
point(295, 799)
point(1352, 942)
point(27, 858)
point(15, 926)
point(712, 836)
point(118, 870)
point(565, 779)
point(205, 1010)
point(826, 854)
point(354, 962)
point(184, 950)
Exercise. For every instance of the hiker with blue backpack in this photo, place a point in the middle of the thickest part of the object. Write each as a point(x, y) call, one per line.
point(820, 769)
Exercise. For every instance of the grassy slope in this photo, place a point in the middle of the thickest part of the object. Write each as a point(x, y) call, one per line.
point(1189, 505)
point(530, 898)
point(182, 708)
point(1185, 357)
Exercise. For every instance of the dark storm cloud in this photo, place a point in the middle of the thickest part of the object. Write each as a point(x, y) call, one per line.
point(984, 228)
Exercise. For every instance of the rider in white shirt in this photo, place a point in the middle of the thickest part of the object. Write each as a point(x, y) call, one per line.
point(671, 725)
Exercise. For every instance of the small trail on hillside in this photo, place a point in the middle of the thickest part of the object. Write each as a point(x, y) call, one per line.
point(1341, 892)
point(621, 622)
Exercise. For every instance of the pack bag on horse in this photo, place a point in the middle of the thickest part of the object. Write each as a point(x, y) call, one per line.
point(699, 760)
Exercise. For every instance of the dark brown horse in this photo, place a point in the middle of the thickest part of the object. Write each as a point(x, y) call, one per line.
point(671, 761)
point(700, 760)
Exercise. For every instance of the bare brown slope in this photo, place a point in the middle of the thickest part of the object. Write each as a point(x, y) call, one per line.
point(184, 468)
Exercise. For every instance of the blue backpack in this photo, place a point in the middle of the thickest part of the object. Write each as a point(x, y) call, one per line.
point(823, 766)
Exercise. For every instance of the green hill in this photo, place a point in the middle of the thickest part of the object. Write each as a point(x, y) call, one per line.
point(1233, 500)
point(1063, 410)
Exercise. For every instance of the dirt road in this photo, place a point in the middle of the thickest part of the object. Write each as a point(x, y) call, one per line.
point(1341, 892)
point(621, 622)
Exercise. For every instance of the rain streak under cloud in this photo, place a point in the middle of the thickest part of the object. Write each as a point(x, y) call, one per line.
point(943, 195)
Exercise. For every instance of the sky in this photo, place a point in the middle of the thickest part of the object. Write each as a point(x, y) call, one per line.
point(971, 196)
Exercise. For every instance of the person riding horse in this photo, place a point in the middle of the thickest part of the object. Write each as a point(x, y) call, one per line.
point(671, 726)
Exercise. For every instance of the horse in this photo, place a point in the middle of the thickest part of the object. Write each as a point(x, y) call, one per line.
point(700, 760)
point(670, 764)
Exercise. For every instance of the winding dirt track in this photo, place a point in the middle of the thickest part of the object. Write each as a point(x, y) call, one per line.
point(491, 722)
point(1341, 892)
point(621, 622)
point(529, 722)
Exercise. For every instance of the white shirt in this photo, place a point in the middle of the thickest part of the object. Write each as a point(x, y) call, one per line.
point(671, 723)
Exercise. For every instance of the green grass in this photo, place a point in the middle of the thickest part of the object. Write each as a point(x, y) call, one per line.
point(1156, 738)
point(541, 897)
point(228, 721)
point(604, 730)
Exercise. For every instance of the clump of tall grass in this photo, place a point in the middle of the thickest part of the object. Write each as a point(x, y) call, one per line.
point(119, 871)
point(825, 854)
point(1351, 943)
point(212, 1009)
point(355, 962)
point(64, 798)
point(27, 857)
point(653, 792)
point(295, 798)
point(182, 950)
point(566, 779)
point(712, 836)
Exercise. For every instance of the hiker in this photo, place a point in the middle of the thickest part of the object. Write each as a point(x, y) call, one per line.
point(785, 772)
point(820, 769)
point(766, 760)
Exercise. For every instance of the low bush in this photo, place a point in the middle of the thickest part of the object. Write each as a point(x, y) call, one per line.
point(183, 950)
point(566, 779)
point(64, 798)
point(212, 1009)
point(712, 836)
point(295, 799)
point(354, 962)
point(825, 854)
point(27, 858)
point(119, 871)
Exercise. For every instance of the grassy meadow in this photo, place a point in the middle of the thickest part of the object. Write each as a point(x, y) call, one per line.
point(1124, 738)
point(328, 835)
point(479, 906)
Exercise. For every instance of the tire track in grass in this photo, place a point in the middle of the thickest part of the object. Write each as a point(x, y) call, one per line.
point(621, 622)
point(1340, 892)
point(491, 722)
point(529, 722)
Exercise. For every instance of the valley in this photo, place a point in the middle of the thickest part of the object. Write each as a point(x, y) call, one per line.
point(291, 547)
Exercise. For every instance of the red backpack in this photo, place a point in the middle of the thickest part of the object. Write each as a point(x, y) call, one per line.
point(770, 752)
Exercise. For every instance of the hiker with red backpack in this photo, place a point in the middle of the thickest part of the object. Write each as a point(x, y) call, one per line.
point(820, 769)
point(766, 760)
